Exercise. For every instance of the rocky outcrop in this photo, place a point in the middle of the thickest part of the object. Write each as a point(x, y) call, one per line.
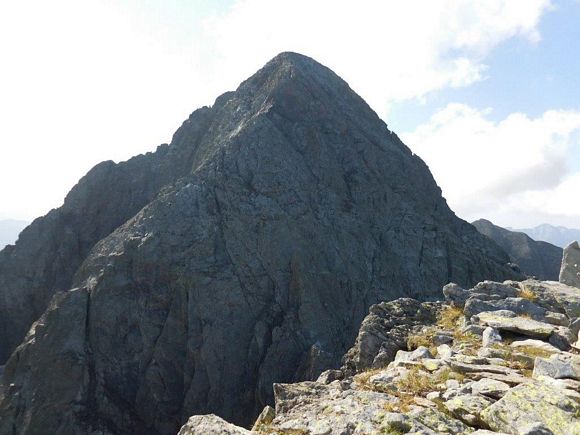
point(291, 209)
point(49, 252)
point(535, 258)
point(515, 385)
point(570, 271)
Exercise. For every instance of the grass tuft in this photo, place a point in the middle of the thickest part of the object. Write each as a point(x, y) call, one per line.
point(526, 293)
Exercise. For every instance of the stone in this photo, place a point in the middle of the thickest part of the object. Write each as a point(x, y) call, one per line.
point(533, 403)
point(384, 331)
point(519, 306)
point(473, 329)
point(472, 368)
point(520, 325)
point(490, 337)
point(535, 429)
point(490, 387)
point(467, 408)
point(556, 318)
point(455, 294)
point(328, 376)
point(510, 289)
point(439, 339)
point(530, 343)
point(570, 269)
point(555, 296)
point(243, 253)
point(444, 351)
point(432, 422)
point(265, 418)
point(510, 379)
point(397, 422)
point(420, 353)
point(210, 424)
point(557, 367)
point(562, 338)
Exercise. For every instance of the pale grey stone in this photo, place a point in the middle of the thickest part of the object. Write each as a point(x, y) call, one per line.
point(570, 270)
point(490, 337)
point(210, 424)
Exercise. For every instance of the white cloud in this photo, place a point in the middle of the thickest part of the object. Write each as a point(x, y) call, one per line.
point(87, 81)
point(387, 51)
point(515, 172)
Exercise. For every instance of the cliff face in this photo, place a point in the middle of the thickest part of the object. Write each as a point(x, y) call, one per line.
point(535, 258)
point(290, 209)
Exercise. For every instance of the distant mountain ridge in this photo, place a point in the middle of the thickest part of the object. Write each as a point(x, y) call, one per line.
point(9, 230)
point(556, 235)
point(535, 258)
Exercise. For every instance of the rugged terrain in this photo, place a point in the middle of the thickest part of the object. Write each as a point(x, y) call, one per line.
point(538, 259)
point(244, 253)
point(496, 358)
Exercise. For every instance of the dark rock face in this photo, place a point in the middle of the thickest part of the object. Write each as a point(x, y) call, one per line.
point(290, 210)
point(570, 270)
point(50, 250)
point(539, 259)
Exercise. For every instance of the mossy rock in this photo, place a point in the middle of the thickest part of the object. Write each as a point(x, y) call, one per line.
point(534, 403)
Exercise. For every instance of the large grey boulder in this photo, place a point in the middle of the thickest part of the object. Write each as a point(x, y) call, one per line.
point(210, 424)
point(290, 210)
point(570, 270)
point(533, 403)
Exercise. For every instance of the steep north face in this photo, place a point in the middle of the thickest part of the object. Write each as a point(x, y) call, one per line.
point(245, 252)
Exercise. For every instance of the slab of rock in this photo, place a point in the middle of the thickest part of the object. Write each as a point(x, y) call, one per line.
point(534, 344)
point(420, 353)
point(533, 403)
point(210, 424)
point(518, 305)
point(570, 270)
point(520, 325)
point(468, 408)
point(486, 368)
point(511, 379)
point(490, 387)
point(557, 367)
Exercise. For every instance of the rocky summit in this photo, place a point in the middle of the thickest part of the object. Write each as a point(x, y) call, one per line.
point(499, 358)
point(244, 253)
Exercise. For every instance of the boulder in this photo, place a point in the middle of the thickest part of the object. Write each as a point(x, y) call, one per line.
point(570, 269)
point(210, 424)
point(490, 387)
point(455, 294)
point(520, 325)
point(533, 403)
point(468, 408)
point(558, 367)
point(490, 337)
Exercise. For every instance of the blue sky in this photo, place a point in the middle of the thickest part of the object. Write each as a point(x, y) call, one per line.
point(520, 77)
point(486, 92)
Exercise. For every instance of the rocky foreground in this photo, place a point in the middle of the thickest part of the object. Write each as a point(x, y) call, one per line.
point(497, 358)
